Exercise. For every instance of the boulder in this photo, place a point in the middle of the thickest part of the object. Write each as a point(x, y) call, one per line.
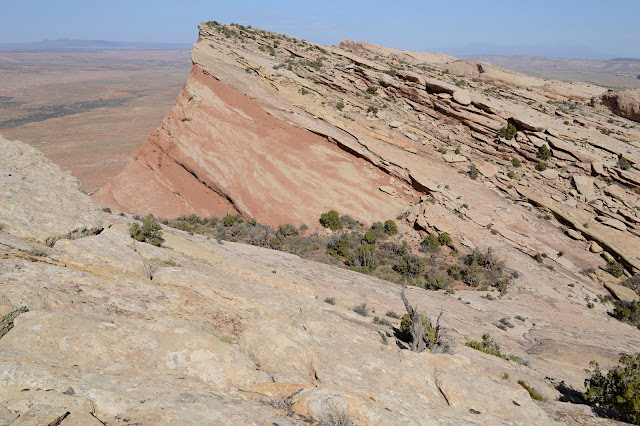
point(389, 190)
point(487, 169)
point(454, 158)
point(575, 234)
point(621, 292)
point(528, 120)
point(550, 174)
point(584, 185)
point(437, 86)
point(597, 167)
point(462, 97)
point(615, 191)
point(624, 103)
point(614, 223)
point(595, 247)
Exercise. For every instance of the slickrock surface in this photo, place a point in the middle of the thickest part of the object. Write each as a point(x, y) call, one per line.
point(201, 332)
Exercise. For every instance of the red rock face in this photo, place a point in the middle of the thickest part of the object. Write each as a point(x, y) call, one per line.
point(220, 152)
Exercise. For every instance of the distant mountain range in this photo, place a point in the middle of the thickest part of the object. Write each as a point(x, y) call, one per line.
point(86, 45)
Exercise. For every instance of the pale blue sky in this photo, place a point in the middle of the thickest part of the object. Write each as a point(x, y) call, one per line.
point(577, 28)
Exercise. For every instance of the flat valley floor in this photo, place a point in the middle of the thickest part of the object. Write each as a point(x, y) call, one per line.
point(88, 111)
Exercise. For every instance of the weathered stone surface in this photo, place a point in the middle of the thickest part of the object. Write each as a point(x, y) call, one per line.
point(575, 234)
point(584, 185)
point(624, 103)
point(28, 206)
point(528, 120)
point(550, 174)
point(614, 223)
point(621, 292)
point(439, 86)
point(487, 169)
point(454, 158)
point(597, 167)
point(616, 192)
point(462, 97)
point(594, 247)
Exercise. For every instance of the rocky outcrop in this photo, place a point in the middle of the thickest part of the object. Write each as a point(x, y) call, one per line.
point(28, 206)
point(625, 103)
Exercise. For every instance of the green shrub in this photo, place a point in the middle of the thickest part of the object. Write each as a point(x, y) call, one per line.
point(544, 153)
point(363, 259)
point(372, 90)
point(331, 220)
point(230, 220)
point(430, 243)
point(381, 321)
point(614, 268)
point(410, 265)
point(390, 227)
point(287, 230)
point(538, 258)
point(444, 239)
point(361, 310)
point(369, 238)
point(473, 172)
point(623, 163)
point(372, 109)
point(508, 132)
point(437, 282)
point(150, 231)
point(330, 300)
point(541, 166)
point(338, 245)
point(617, 393)
point(378, 229)
point(511, 174)
point(488, 346)
point(405, 329)
point(348, 222)
point(532, 392)
point(516, 162)
point(628, 312)
point(340, 105)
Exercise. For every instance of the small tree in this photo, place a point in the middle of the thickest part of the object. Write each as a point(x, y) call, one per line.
point(369, 238)
point(390, 227)
point(331, 220)
point(444, 239)
point(618, 392)
point(544, 153)
point(508, 132)
point(150, 231)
